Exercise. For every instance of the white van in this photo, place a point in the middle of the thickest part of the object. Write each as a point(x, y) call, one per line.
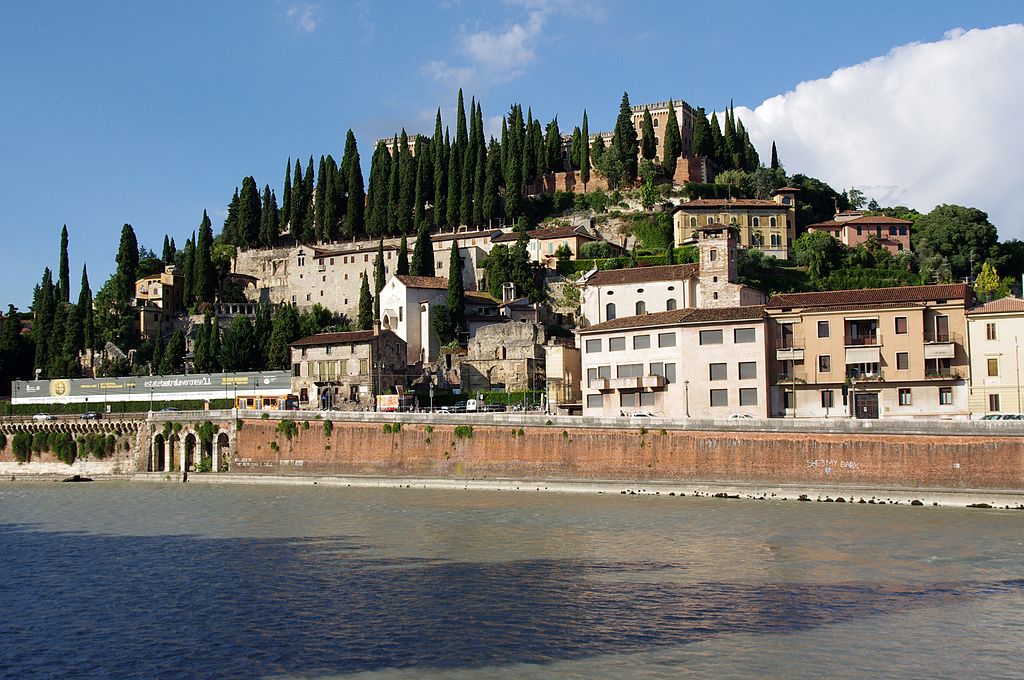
point(471, 405)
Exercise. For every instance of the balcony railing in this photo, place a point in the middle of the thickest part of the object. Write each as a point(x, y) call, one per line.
point(865, 377)
point(863, 340)
point(933, 336)
point(789, 342)
point(944, 374)
point(789, 379)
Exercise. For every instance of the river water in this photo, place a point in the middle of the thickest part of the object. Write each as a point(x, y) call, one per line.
point(191, 581)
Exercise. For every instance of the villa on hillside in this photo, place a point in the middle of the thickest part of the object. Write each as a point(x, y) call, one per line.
point(766, 225)
point(853, 228)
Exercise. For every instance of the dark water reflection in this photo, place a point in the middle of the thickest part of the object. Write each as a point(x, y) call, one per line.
point(81, 604)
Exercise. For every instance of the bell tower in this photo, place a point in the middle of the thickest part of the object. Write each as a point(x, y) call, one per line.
point(717, 245)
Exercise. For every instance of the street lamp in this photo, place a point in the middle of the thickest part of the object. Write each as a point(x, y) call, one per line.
point(686, 393)
point(431, 397)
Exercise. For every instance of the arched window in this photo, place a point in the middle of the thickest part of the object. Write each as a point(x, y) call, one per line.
point(776, 240)
point(711, 220)
point(773, 222)
point(641, 308)
point(609, 311)
point(758, 239)
point(755, 221)
point(693, 221)
point(671, 304)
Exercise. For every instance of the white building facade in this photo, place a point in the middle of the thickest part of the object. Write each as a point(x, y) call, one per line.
point(995, 336)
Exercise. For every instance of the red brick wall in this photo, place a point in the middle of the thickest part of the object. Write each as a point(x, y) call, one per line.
point(544, 452)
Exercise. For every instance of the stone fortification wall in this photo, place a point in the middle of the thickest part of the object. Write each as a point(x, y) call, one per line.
point(556, 452)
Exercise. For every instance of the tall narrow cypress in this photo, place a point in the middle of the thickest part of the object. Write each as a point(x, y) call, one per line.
point(380, 187)
point(230, 226)
point(422, 252)
point(64, 275)
point(456, 291)
point(624, 139)
point(423, 164)
point(203, 274)
point(167, 256)
point(585, 152)
point(320, 202)
point(454, 191)
point(490, 201)
point(86, 311)
point(286, 197)
point(402, 264)
point(378, 278)
point(673, 142)
point(268, 219)
point(366, 303)
point(189, 273)
point(460, 125)
point(248, 214)
point(717, 141)
point(355, 204)
point(127, 264)
point(775, 156)
point(308, 187)
point(553, 147)
point(479, 186)
point(703, 141)
point(406, 186)
point(296, 205)
point(648, 147)
point(394, 189)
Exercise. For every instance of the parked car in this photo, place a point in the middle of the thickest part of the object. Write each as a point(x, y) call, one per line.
point(169, 409)
point(494, 408)
point(739, 416)
point(42, 416)
point(1003, 416)
point(91, 415)
point(642, 414)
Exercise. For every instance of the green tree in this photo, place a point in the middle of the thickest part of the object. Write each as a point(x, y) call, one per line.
point(378, 278)
point(612, 166)
point(308, 185)
point(173, 357)
point(297, 203)
point(624, 140)
point(365, 319)
point(213, 342)
point(496, 269)
point(987, 282)
point(248, 214)
point(959, 234)
point(402, 264)
point(585, 151)
point(673, 145)
point(380, 189)
point(491, 200)
point(157, 361)
point(422, 253)
point(269, 219)
point(648, 145)
point(64, 271)
point(237, 351)
point(204, 274)
point(438, 149)
point(406, 185)
point(285, 332)
point(775, 157)
point(819, 252)
point(553, 147)
point(261, 329)
point(86, 310)
point(717, 142)
point(127, 263)
point(201, 346)
point(168, 251)
point(456, 291)
point(512, 149)
point(286, 198)
point(454, 189)
point(189, 273)
point(355, 205)
point(575, 148)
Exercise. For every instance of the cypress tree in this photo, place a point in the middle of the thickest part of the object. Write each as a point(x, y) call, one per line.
point(575, 152)
point(407, 186)
point(248, 214)
point(437, 150)
point(491, 200)
point(355, 204)
point(86, 310)
point(624, 139)
point(269, 219)
point(394, 189)
point(285, 331)
point(261, 328)
point(230, 226)
point(189, 273)
point(64, 275)
point(673, 142)
point(460, 126)
point(454, 191)
point(775, 157)
point(504, 142)
point(237, 352)
point(717, 141)
point(174, 354)
point(423, 183)
point(402, 265)
point(456, 292)
point(479, 186)
point(156, 363)
point(296, 211)
point(308, 186)
point(378, 278)
point(751, 160)
point(528, 159)
point(213, 340)
point(467, 175)
point(67, 363)
point(333, 200)
point(43, 311)
point(422, 252)
point(200, 348)
point(513, 168)
point(320, 202)
point(380, 187)
point(741, 146)
point(204, 273)
point(174, 250)
point(366, 304)
point(286, 197)
point(168, 252)
point(703, 142)
point(597, 149)
point(553, 147)
point(648, 147)
point(127, 264)
point(585, 152)
point(729, 142)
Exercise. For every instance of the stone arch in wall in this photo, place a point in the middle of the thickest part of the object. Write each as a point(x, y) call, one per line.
point(189, 451)
point(221, 451)
point(174, 452)
point(159, 461)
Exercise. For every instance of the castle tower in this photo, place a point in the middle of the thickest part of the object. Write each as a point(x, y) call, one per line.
point(718, 276)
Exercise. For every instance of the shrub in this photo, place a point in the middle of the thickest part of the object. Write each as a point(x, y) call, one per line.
point(21, 445)
point(288, 428)
point(464, 432)
point(392, 428)
point(274, 446)
point(206, 432)
point(596, 250)
point(328, 428)
point(265, 416)
point(109, 444)
point(64, 448)
point(239, 423)
point(305, 424)
point(40, 442)
point(520, 433)
point(3, 441)
point(428, 429)
point(565, 435)
point(205, 464)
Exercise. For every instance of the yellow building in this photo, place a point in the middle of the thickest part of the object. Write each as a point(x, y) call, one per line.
point(766, 225)
point(159, 298)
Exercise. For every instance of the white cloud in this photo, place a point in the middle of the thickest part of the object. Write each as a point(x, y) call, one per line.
point(927, 123)
point(303, 16)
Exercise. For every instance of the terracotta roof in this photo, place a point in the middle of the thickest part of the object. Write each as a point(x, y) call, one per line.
point(667, 272)
point(322, 339)
point(877, 219)
point(680, 316)
point(422, 281)
point(482, 233)
point(542, 234)
point(826, 223)
point(871, 296)
point(1010, 304)
point(731, 203)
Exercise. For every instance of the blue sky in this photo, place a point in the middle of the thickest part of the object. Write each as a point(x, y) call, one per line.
point(117, 112)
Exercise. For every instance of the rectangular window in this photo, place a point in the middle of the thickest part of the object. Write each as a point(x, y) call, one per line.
point(824, 363)
point(617, 344)
point(993, 368)
point(945, 396)
point(904, 394)
point(593, 346)
point(719, 397)
point(670, 373)
point(627, 399)
point(296, 370)
point(823, 329)
point(362, 367)
point(748, 396)
point(666, 339)
point(641, 342)
point(901, 325)
point(647, 398)
point(827, 398)
point(711, 337)
point(902, 361)
point(591, 376)
point(993, 402)
point(744, 335)
point(629, 370)
point(990, 331)
point(748, 370)
point(718, 372)
point(595, 400)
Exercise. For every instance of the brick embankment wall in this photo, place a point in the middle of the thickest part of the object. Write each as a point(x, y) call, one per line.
point(492, 451)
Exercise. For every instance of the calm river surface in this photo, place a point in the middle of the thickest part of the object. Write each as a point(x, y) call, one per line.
point(183, 580)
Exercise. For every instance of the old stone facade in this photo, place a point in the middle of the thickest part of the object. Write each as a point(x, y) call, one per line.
point(339, 370)
point(504, 356)
point(159, 298)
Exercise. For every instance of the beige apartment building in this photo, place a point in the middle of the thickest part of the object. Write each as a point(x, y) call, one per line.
point(334, 370)
point(543, 244)
point(766, 225)
point(874, 353)
point(687, 363)
point(995, 334)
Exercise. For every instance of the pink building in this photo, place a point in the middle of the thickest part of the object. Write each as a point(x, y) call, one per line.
point(853, 227)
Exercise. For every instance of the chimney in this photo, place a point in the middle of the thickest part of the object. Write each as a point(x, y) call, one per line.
point(376, 327)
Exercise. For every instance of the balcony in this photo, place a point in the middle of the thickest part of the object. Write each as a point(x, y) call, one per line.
point(858, 377)
point(941, 345)
point(638, 383)
point(790, 379)
point(863, 354)
point(871, 340)
point(789, 348)
point(944, 374)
